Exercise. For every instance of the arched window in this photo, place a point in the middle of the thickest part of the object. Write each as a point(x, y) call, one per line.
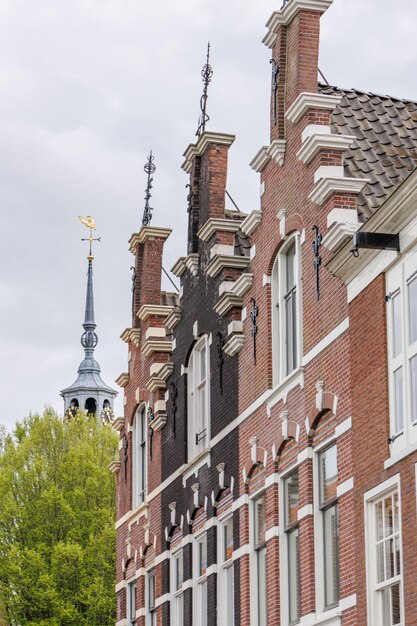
point(91, 406)
point(139, 458)
point(286, 307)
point(198, 382)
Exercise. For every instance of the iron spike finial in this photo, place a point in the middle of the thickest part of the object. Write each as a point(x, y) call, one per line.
point(149, 168)
point(206, 73)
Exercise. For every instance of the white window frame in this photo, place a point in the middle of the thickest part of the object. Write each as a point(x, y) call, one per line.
point(374, 589)
point(139, 457)
point(150, 609)
point(225, 574)
point(131, 588)
point(255, 551)
point(319, 510)
point(280, 367)
point(200, 595)
point(177, 591)
point(198, 393)
point(398, 280)
point(284, 533)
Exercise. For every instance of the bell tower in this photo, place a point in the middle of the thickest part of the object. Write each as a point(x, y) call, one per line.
point(89, 393)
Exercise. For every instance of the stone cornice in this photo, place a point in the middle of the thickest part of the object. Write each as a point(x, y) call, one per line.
point(147, 232)
point(287, 14)
point(275, 151)
point(317, 142)
point(213, 225)
point(189, 262)
point(234, 344)
point(197, 149)
point(155, 345)
point(307, 101)
point(114, 466)
point(166, 371)
point(131, 334)
point(338, 234)
point(251, 222)
point(221, 261)
point(155, 382)
point(392, 216)
point(173, 318)
point(122, 380)
point(118, 423)
point(226, 302)
point(242, 284)
point(154, 310)
point(328, 185)
point(179, 267)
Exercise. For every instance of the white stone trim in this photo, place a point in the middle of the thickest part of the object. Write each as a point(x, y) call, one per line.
point(153, 345)
point(260, 160)
point(197, 149)
point(146, 310)
point(344, 487)
point(242, 551)
point(221, 261)
point(328, 185)
point(275, 151)
point(338, 235)
point(243, 500)
point(304, 455)
point(145, 233)
point(214, 225)
point(270, 533)
point(280, 391)
point(305, 511)
point(155, 331)
point(122, 622)
point(220, 249)
point(226, 302)
point(234, 344)
point(314, 129)
point(235, 326)
point(326, 341)
point(162, 599)
point(317, 142)
point(252, 252)
point(287, 14)
point(343, 427)
point(307, 100)
point(251, 222)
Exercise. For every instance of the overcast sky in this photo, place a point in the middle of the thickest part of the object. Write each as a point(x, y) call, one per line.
point(87, 88)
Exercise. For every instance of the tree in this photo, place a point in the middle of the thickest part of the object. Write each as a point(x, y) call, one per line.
point(57, 511)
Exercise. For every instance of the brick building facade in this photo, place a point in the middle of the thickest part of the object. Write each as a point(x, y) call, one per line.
point(267, 470)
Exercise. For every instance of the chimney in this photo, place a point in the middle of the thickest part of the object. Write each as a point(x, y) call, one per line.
point(293, 36)
point(206, 162)
point(147, 245)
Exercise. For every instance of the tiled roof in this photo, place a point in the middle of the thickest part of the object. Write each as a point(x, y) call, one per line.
point(385, 149)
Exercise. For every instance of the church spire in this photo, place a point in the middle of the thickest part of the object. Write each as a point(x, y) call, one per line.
point(89, 392)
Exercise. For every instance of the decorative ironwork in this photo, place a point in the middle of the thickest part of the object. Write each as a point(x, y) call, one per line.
point(284, 3)
point(220, 359)
point(125, 455)
point(206, 73)
point(189, 198)
point(150, 419)
point(316, 245)
point(375, 241)
point(89, 223)
point(133, 270)
point(253, 316)
point(149, 168)
point(275, 75)
point(173, 394)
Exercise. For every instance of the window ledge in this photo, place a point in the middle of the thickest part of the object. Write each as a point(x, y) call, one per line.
point(329, 618)
point(399, 456)
point(203, 458)
point(281, 390)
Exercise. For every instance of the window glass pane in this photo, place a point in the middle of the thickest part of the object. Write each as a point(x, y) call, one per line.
point(291, 499)
point(331, 556)
point(399, 404)
point(412, 299)
point(151, 591)
point(328, 474)
point(228, 539)
point(290, 269)
point(229, 596)
point(203, 603)
point(413, 376)
point(395, 604)
point(290, 331)
point(178, 564)
point(293, 575)
point(259, 521)
point(202, 556)
point(203, 364)
point(132, 602)
point(396, 325)
point(388, 517)
point(261, 558)
point(380, 566)
point(379, 521)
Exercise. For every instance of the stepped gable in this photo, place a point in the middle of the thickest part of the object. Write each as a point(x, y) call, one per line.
point(385, 150)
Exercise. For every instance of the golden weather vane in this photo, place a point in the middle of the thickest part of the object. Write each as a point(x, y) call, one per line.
point(88, 222)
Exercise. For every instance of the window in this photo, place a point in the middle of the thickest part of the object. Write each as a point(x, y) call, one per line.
point(200, 581)
point(198, 398)
point(225, 582)
point(139, 458)
point(402, 351)
point(131, 602)
point(291, 571)
point(258, 610)
point(150, 599)
point(286, 317)
point(329, 524)
point(384, 560)
point(177, 578)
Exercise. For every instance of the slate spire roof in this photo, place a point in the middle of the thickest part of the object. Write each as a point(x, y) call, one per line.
point(385, 150)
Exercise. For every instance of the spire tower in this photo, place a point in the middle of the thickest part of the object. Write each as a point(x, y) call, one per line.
point(89, 392)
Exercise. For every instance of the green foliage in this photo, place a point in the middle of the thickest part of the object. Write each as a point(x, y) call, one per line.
point(57, 511)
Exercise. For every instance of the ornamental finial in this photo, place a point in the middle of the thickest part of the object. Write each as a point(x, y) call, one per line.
point(149, 168)
point(206, 73)
point(89, 223)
